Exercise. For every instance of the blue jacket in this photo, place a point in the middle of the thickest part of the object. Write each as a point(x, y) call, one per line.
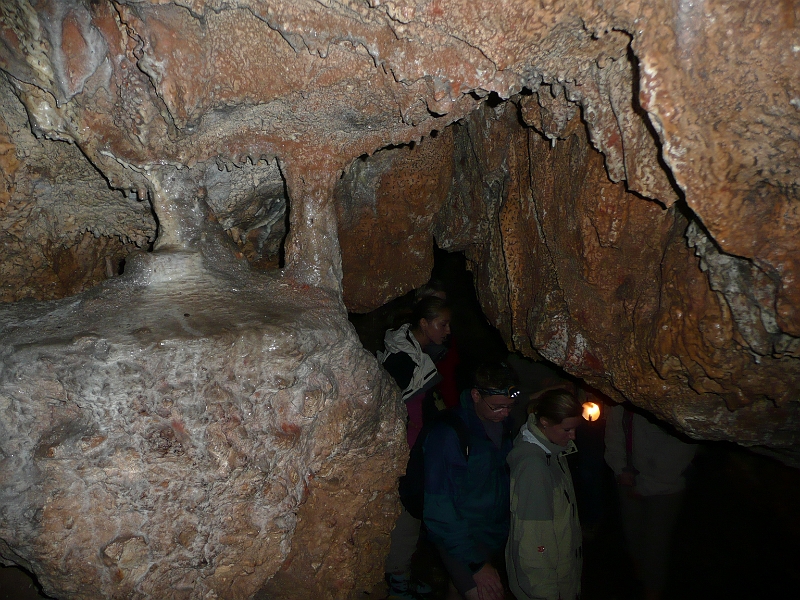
point(466, 507)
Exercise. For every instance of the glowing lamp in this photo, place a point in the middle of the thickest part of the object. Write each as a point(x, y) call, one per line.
point(591, 411)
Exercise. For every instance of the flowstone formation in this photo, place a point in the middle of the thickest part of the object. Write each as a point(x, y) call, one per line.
point(622, 176)
point(191, 428)
point(623, 292)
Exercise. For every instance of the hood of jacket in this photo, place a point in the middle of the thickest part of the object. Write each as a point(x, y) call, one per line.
point(402, 340)
point(537, 442)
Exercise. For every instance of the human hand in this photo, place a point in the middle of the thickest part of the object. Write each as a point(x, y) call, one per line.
point(489, 585)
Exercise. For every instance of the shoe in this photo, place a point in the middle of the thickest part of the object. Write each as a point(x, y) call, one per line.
point(404, 587)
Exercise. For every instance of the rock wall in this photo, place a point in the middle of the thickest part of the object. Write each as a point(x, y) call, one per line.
point(621, 291)
point(194, 430)
point(62, 229)
point(630, 295)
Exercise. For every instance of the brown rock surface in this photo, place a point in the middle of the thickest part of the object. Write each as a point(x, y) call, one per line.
point(62, 228)
point(189, 429)
point(662, 267)
point(611, 287)
point(621, 291)
point(186, 440)
point(386, 205)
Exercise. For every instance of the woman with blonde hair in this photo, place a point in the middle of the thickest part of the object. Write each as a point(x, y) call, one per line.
point(544, 554)
point(415, 374)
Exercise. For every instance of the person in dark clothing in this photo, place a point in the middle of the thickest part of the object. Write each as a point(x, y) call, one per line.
point(649, 460)
point(466, 502)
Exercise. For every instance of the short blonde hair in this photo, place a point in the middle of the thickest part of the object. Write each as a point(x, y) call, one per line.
point(555, 405)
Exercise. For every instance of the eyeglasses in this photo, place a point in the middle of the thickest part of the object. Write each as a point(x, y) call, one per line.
point(512, 392)
point(498, 407)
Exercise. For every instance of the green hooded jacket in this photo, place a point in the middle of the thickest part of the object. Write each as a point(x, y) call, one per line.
point(544, 554)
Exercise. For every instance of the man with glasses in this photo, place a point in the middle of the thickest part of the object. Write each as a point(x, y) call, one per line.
point(467, 484)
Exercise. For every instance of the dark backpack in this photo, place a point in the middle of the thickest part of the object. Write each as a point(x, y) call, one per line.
point(412, 484)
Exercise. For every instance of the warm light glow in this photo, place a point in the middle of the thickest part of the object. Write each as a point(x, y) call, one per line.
point(591, 412)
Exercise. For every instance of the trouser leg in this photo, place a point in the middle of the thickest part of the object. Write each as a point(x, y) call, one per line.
point(659, 521)
point(460, 576)
point(403, 543)
point(631, 514)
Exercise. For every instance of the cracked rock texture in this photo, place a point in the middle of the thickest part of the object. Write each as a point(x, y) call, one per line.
point(191, 430)
point(188, 441)
point(622, 176)
point(632, 297)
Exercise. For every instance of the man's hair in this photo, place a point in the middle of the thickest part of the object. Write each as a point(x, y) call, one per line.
point(494, 375)
point(556, 405)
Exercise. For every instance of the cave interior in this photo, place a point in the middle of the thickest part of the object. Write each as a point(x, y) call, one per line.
point(205, 204)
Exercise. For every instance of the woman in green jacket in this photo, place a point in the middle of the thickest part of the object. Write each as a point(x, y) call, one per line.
point(544, 555)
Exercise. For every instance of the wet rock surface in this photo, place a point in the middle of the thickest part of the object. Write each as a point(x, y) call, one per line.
point(619, 290)
point(62, 230)
point(191, 437)
point(614, 288)
point(193, 429)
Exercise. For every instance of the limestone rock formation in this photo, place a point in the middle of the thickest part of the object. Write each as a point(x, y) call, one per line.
point(623, 177)
point(631, 296)
point(628, 295)
point(62, 228)
point(190, 429)
point(191, 440)
point(386, 205)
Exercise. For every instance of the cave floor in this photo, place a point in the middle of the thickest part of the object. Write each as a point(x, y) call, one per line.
point(737, 537)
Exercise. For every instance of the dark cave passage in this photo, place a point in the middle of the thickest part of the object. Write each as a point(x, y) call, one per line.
point(477, 339)
point(18, 584)
point(737, 532)
point(736, 535)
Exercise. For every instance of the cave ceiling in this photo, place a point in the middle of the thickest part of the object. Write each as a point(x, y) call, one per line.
point(622, 176)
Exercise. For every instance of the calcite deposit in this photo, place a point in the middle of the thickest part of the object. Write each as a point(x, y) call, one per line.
point(622, 177)
point(191, 428)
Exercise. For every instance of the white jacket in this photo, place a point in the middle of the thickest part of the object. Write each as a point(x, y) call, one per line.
point(403, 340)
point(658, 456)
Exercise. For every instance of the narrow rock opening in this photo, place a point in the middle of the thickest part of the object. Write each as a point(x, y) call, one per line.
point(735, 500)
point(19, 584)
point(251, 203)
point(476, 334)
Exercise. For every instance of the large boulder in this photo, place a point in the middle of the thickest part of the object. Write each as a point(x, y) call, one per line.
point(192, 429)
